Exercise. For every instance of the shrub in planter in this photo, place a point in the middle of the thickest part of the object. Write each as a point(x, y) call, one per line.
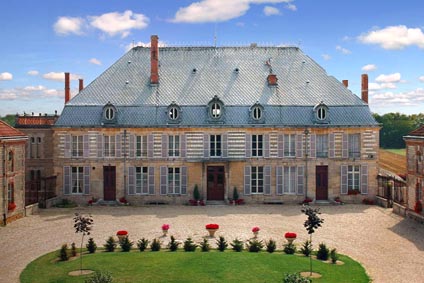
point(196, 194)
point(221, 244)
point(235, 194)
point(418, 207)
point(189, 245)
point(237, 245)
point(295, 278)
point(73, 249)
point(110, 244)
point(155, 245)
point(204, 246)
point(142, 244)
point(306, 248)
point(91, 246)
point(126, 244)
point(334, 256)
point(368, 201)
point(63, 253)
point(100, 277)
point(289, 248)
point(173, 244)
point(254, 246)
point(271, 246)
point(323, 252)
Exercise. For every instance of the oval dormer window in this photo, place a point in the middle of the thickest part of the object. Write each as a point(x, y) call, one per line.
point(321, 113)
point(257, 113)
point(109, 113)
point(173, 113)
point(215, 110)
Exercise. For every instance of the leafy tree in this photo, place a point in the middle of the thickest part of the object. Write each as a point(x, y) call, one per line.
point(82, 225)
point(312, 223)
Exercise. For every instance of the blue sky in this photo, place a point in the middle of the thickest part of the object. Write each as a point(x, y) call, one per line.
point(43, 39)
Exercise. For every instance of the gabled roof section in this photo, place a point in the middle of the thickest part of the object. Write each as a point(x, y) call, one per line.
point(7, 131)
point(416, 133)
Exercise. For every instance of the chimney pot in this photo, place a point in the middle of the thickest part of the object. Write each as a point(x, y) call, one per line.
point(272, 80)
point(364, 88)
point(346, 83)
point(67, 88)
point(81, 85)
point(154, 59)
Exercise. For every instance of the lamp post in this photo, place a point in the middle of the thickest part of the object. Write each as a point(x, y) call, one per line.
point(306, 132)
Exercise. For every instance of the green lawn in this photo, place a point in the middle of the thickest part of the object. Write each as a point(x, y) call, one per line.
point(214, 266)
point(400, 151)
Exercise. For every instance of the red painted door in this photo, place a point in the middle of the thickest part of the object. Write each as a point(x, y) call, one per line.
point(216, 182)
point(321, 181)
point(109, 182)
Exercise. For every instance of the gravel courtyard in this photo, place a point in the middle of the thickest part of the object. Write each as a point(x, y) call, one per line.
point(390, 247)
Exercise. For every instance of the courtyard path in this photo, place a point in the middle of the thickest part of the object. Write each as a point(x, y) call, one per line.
point(390, 247)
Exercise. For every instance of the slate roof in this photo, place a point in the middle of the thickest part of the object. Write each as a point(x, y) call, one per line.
point(192, 76)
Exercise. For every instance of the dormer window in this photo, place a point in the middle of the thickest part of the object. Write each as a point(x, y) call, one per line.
point(321, 113)
point(256, 113)
point(109, 113)
point(174, 113)
point(216, 109)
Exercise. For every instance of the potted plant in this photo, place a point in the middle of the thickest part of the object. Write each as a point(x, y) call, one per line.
point(11, 206)
point(255, 231)
point(165, 228)
point(121, 234)
point(212, 228)
point(290, 237)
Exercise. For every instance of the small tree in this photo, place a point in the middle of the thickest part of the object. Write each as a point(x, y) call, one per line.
point(91, 246)
point(271, 246)
point(237, 245)
point(63, 254)
point(82, 224)
point(142, 244)
point(196, 194)
point(110, 244)
point(155, 245)
point(235, 194)
point(126, 244)
point(173, 244)
point(306, 248)
point(312, 223)
point(204, 245)
point(221, 243)
point(334, 256)
point(189, 245)
point(254, 246)
point(323, 252)
point(73, 250)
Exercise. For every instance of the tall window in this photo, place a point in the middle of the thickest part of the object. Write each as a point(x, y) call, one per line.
point(38, 146)
point(174, 180)
point(77, 179)
point(33, 148)
point(353, 177)
point(141, 180)
point(10, 193)
point(11, 161)
point(77, 146)
point(173, 146)
point(322, 145)
point(141, 146)
point(257, 180)
point(354, 147)
point(289, 145)
point(289, 180)
point(257, 145)
point(215, 145)
point(109, 146)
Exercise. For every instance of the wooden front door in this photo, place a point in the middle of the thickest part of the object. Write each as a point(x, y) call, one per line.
point(321, 181)
point(216, 182)
point(109, 182)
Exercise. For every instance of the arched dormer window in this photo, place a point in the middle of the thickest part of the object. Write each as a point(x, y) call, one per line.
point(321, 113)
point(257, 113)
point(216, 109)
point(174, 113)
point(109, 114)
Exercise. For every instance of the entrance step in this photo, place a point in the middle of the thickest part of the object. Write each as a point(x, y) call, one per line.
point(215, 202)
point(107, 202)
point(322, 202)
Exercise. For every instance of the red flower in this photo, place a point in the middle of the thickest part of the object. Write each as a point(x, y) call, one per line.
point(212, 226)
point(122, 233)
point(255, 229)
point(290, 235)
point(11, 206)
point(165, 227)
point(418, 207)
point(123, 200)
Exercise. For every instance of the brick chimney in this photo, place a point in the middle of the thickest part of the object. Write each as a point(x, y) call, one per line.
point(81, 85)
point(346, 83)
point(154, 60)
point(364, 88)
point(272, 80)
point(67, 88)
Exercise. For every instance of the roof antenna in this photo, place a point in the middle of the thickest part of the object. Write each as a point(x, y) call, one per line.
point(133, 43)
point(214, 37)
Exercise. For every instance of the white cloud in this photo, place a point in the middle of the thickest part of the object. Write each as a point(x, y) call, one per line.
point(54, 76)
point(343, 50)
point(143, 44)
point(291, 7)
point(408, 98)
point(29, 92)
point(270, 11)
point(33, 73)
point(119, 23)
point(69, 25)
point(240, 24)
point(34, 88)
point(217, 10)
point(394, 37)
point(421, 79)
point(95, 61)
point(369, 68)
point(391, 78)
point(326, 57)
point(6, 76)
